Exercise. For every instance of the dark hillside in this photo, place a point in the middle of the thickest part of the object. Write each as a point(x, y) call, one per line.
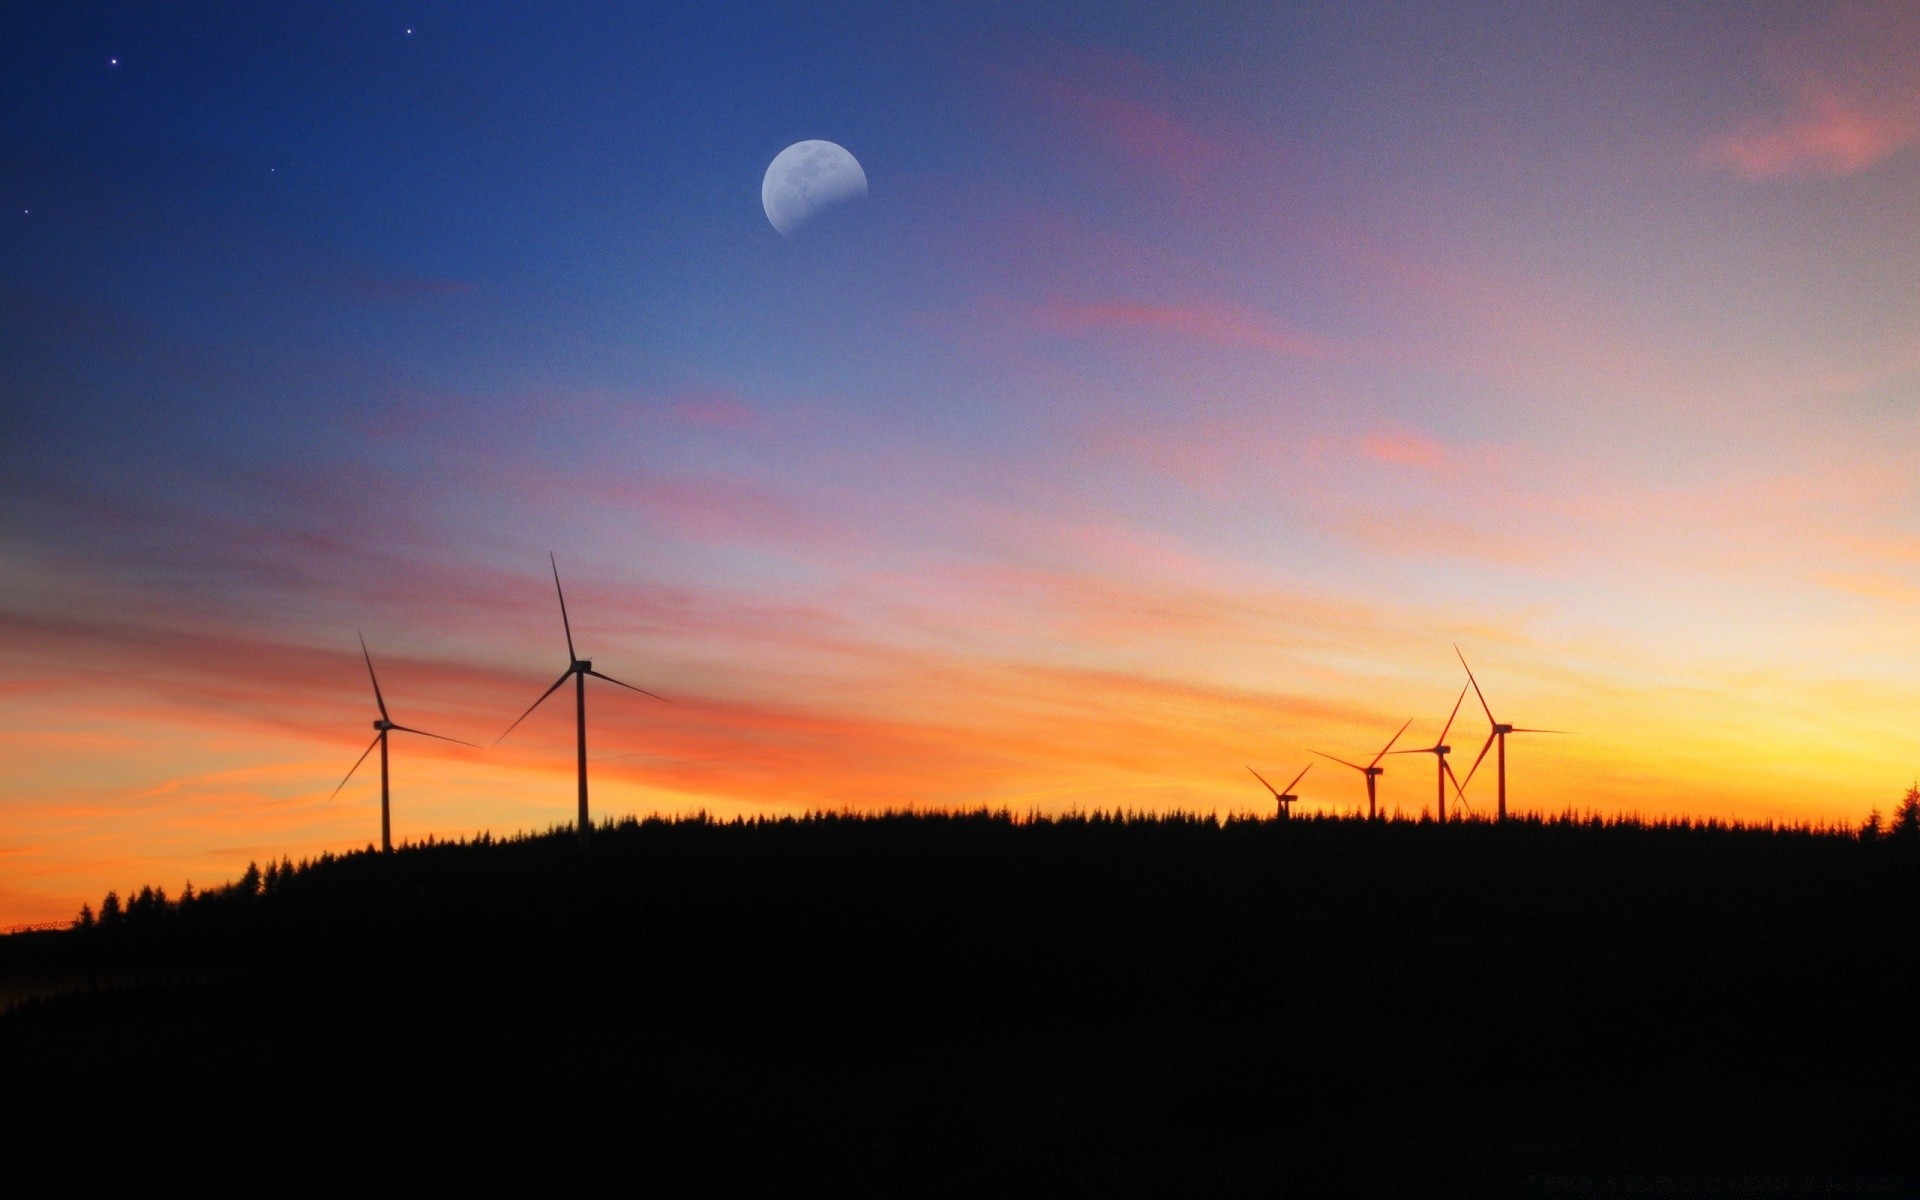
point(969, 1004)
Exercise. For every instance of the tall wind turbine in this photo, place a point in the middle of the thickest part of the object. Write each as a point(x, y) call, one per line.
point(1499, 734)
point(1440, 750)
point(1283, 799)
point(1372, 770)
point(577, 669)
point(383, 727)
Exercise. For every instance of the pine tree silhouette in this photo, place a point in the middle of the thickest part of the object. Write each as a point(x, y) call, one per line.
point(1906, 818)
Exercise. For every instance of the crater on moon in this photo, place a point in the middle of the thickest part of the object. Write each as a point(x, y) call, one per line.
point(806, 179)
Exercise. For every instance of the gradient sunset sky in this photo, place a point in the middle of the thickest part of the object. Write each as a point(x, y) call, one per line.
point(1187, 384)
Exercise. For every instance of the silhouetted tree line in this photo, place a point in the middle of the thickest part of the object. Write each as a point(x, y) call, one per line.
point(1904, 829)
point(152, 909)
point(1590, 983)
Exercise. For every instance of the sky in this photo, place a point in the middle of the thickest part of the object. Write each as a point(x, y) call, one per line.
point(1182, 392)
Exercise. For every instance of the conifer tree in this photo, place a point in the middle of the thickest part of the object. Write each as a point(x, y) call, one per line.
point(1906, 818)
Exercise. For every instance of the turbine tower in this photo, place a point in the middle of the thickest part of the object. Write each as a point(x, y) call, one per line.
point(1499, 734)
point(577, 669)
point(1440, 750)
point(1372, 770)
point(383, 727)
point(1283, 799)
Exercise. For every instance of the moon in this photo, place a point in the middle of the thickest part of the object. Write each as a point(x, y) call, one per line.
point(806, 179)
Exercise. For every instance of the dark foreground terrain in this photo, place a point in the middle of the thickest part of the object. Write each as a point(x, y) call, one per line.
point(969, 1005)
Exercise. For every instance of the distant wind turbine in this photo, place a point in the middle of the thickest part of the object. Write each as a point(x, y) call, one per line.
point(1283, 799)
point(384, 726)
point(1499, 734)
point(1372, 770)
point(578, 669)
point(1440, 750)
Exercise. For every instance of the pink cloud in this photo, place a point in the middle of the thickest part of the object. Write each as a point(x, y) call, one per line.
point(1216, 324)
point(1402, 448)
point(1119, 100)
point(1853, 86)
point(1136, 130)
point(1825, 135)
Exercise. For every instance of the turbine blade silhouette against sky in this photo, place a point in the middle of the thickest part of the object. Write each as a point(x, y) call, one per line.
point(1283, 799)
point(578, 669)
point(378, 699)
point(354, 767)
point(1168, 387)
point(565, 625)
point(1373, 770)
point(384, 726)
point(628, 686)
point(1390, 741)
point(564, 676)
point(1498, 735)
point(1440, 750)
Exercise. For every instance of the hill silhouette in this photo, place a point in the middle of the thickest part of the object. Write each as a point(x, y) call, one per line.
point(970, 1003)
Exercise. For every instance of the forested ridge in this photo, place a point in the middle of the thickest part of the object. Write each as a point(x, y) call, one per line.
point(1105, 996)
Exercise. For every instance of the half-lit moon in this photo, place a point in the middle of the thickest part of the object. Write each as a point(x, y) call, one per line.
point(806, 179)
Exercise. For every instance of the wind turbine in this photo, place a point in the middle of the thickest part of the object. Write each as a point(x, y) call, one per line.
point(1283, 799)
point(1372, 770)
point(578, 669)
point(1440, 750)
point(384, 726)
point(1499, 734)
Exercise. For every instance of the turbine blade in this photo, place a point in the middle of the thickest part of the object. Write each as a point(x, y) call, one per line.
point(629, 687)
point(1299, 777)
point(564, 623)
point(1263, 780)
point(1343, 762)
point(443, 737)
point(1476, 688)
point(377, 697)
point(536, 704)
point(1517, 729)
point(1389, 745)
point(1482, 755)
point(355, 766)
point(1459, 791)
point(1450, 716)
